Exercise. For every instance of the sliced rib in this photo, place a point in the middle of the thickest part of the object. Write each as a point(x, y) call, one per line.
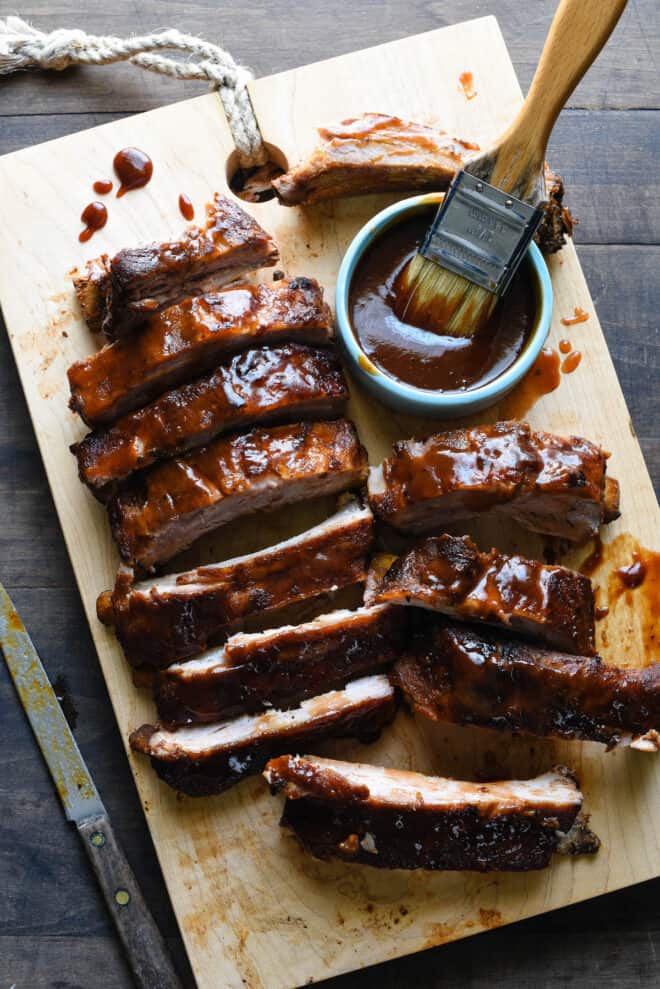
point(400, 820)
point(169, 618)
point(472, 677)
point(264, 385)
point(191, 337)
point(164, 509)
point(448, 574)
point(279, 667)
point(549, 484)
point(373, 153)
point(207, 759)
point(116, 294)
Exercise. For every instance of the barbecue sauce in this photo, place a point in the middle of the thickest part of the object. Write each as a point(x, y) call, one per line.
point(579, 316)
point(133, 168)
point(95, 217)
point(102, 187)
point(186, 207)
point(571, 362)
point(428, 360)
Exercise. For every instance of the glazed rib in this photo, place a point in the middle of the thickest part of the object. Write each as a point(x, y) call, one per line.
point(549, 484)
point(264, 385)
point(279, 667)
point(477, 677)
point(378, 153)
point(169, 618)
point(448, 574)
point(116, 294)
point(166, 508)
point(191, 337)
point(207, 759)
point(373, 153)
point(400, 820)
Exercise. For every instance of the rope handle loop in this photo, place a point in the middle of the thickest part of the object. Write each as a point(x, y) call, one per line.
point(23, 47)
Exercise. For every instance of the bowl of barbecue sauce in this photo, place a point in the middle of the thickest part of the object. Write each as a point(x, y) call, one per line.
point(416, 371)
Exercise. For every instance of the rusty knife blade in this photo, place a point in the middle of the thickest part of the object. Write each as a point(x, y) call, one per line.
point(58, 746)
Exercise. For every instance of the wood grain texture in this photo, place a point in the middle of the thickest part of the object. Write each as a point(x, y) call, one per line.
point(609, 941)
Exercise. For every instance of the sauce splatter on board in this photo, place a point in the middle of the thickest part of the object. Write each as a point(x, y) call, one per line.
point(579, 316)
point(95, 217)
point(133, 168)
point(466, 80)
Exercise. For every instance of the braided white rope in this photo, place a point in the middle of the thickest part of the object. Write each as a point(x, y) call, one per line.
point(23, 47)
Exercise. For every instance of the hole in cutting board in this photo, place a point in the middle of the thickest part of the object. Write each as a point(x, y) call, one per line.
point(253, 184)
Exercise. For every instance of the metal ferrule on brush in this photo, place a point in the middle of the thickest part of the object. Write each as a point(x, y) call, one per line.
point(481, 233)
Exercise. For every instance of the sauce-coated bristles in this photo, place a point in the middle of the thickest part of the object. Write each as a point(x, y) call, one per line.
point(442, 302)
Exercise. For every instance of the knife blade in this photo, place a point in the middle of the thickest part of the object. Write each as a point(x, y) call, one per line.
point(143, 942)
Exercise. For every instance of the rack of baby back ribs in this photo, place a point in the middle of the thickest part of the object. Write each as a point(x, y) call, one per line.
point(214, 399)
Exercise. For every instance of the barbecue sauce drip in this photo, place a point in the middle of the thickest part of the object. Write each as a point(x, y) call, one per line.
point(466, 79)
point(133, 168)
point(102, 187)
point(633, 575)
point(565, 346)
point(571, 362)
point(428, 360)
point(95, 217)
point(186, 207)
point(579, 316)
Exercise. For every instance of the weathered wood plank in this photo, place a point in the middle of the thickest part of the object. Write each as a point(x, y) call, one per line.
point(270, 37)
point(603, 156)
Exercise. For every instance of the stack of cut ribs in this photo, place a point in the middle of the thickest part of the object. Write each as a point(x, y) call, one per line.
point(212, 401)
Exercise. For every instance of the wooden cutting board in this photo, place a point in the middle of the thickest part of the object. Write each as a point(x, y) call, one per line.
point(253, 909)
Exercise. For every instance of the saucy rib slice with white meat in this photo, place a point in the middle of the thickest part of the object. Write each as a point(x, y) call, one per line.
point(393, 819)
point(468, 676)
point(553, 485)
point(165, 619)
point(280, 666)
point(449, 574)
point(206, 759)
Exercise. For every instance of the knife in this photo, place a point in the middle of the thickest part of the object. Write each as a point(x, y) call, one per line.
point(143, 942)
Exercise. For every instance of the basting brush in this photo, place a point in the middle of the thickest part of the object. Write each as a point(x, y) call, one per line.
point(482, 230)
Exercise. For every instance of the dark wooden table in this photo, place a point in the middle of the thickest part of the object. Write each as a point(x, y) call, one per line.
point(54, 931)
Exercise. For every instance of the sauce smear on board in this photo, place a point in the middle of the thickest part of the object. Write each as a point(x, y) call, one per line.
point(429, 360)
point(133, 168)
point(95, 217)
point(579, 316)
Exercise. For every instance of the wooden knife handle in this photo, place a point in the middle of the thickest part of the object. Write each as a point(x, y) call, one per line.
point(578, 32)
point(144, 945)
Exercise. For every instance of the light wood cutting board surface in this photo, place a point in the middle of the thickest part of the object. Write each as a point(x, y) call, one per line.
point(254, 910)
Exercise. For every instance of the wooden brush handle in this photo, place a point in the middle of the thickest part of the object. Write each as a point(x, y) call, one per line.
point(578, 32)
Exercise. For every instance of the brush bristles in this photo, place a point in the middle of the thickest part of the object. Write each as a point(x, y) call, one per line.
point(437, 300)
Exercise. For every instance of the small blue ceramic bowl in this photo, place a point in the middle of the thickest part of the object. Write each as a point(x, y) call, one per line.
point(420, 401)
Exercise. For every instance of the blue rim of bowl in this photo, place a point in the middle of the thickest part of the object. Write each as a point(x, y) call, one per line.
point(488, 393)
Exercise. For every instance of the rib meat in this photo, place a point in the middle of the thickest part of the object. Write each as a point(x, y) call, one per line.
point(207, 759)
point(549, 484)
point(373, 153)
point(399, 820)
point(192, 337)
point(378, 153)
point(279, 667)
point(164, 509)
point(116, 294)
point(267, 384)
point(472, 677)
point(448, 574)
point(163, 620)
